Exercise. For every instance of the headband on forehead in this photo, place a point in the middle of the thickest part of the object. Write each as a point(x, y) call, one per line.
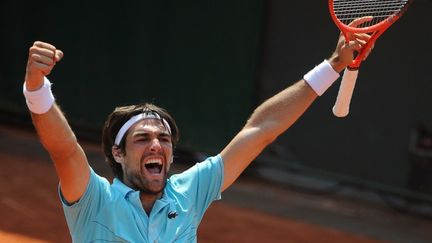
point(137, 118)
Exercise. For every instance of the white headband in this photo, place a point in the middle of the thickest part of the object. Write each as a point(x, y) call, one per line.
point(135, 119)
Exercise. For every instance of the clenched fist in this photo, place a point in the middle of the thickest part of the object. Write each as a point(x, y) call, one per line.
point(42, 59)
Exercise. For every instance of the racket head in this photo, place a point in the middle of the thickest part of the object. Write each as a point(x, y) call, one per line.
point(384, 13)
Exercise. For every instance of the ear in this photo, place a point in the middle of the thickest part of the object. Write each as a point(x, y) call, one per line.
point(117, 154)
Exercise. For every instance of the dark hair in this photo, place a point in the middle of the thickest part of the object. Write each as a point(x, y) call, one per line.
point(120, 116)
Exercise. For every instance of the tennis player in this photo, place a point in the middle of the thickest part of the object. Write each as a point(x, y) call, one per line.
point(142, 204)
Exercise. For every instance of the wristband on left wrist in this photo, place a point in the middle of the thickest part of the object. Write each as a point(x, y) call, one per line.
point(41, 100)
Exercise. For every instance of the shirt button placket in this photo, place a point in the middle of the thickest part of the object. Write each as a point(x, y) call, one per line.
point(151, 230)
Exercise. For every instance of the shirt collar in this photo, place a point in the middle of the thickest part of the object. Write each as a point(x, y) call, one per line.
point(121, 187)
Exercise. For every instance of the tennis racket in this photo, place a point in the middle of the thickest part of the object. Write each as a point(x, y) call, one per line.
point(383, 13)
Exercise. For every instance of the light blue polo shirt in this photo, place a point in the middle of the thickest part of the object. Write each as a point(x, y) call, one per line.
point(114, 213)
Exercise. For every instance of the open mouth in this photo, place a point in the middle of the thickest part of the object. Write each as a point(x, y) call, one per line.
point(154, 166)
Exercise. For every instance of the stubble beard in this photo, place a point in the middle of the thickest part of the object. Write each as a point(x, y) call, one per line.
point(147, 186)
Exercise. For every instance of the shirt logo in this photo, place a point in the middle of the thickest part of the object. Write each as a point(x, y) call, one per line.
point(172, 214)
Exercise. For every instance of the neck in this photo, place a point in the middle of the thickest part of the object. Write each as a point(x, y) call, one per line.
point(148, 200)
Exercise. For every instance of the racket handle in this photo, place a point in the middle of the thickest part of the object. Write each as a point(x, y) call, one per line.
point(341, 107)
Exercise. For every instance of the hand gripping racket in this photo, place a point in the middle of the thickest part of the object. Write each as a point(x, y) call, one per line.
point(343, 12)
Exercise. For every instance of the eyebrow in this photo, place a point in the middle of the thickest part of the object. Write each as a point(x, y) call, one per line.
point(164, 134)
point(146, 134)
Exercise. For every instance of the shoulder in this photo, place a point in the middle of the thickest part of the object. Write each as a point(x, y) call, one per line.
point(199, 176)
point(211, 164)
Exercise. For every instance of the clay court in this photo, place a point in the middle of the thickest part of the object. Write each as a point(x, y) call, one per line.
point(251, 211)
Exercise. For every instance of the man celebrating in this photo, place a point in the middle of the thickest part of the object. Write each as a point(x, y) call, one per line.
point(143, 204)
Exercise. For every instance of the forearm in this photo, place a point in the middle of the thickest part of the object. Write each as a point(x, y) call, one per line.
point(55, 133)
point(49, 121)
point(278, 113)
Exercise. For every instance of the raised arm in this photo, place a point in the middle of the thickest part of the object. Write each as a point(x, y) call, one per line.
point(52, 127)
point(278, 113)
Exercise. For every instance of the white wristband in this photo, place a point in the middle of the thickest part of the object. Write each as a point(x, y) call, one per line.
point(41, 100)
point(321, 77)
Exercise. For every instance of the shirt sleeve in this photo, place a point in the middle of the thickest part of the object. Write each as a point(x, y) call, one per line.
point(202, 183)
point(82, 211)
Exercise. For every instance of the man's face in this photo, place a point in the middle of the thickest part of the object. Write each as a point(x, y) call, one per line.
point(148, 156)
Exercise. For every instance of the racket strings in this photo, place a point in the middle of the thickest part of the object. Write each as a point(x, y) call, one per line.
point(348, 10)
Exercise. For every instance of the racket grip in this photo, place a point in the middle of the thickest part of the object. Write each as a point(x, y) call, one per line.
point(341, 107)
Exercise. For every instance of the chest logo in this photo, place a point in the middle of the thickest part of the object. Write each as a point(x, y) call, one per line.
point(172, 214)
